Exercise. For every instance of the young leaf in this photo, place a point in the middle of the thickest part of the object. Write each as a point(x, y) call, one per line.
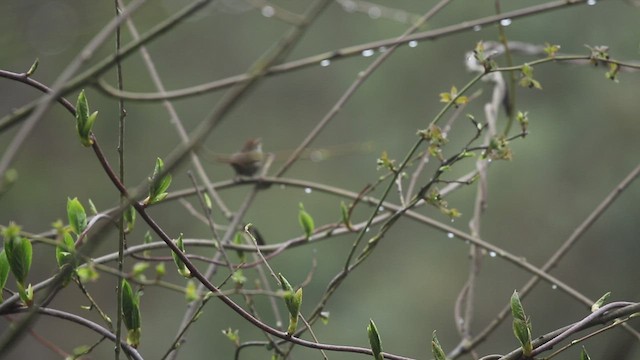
point(130, 218)
point(76, 215)
point(284, 283)
point(584, 355)
point(306, 221)
point(374, 340)
point(293, 302)
point(65, 250)
point(238, 240)
point(523, 119)
point(160, 270)
point(551, 50)
point(84, 121)
point(92, 207)
point(33, 68)
point(521, 325)
point(157, 186)
point(19, 252)
point(147, 239)
point(598, 304)
point(26, 294)
point(139, 268)
point(436, 348)
point(182, 268)
point(4, 271)
point(190, 292)
point(131, 313)
point(238, 278)
point(6, 182)
point(232, 335)
point(88, 273)
point(344, 211)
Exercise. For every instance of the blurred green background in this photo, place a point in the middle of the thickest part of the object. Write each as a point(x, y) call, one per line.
point(584, 138)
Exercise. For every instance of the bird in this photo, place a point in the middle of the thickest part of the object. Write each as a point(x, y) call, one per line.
point(248, 160)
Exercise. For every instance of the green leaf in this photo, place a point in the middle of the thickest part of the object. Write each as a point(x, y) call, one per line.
point(130, 218)
point(139, 268)
point(436, 348)
point(8, 180)
point(207, 201)
point(344, 211)
point(293, 318)
point(147, 239)
point(160, 270)
point(88, 273)
point(612, 74)
point(521, 325)
point(130, 306)
point(584, 355)
point(92, 207)
point(306, 221)
point(374, 340)
point(19, 253)
point(232, 335)
point(598, 304)
point(65, 250)
point(284, 283)
point(76, 215)
point(33, 68)
point(84, 121)
point(182, 268)
point(157, 186)
point(26, 294)
point(293, 300)
point(4, 271)
point(238, 278)
point(238, 240)
point(191, 291)
point(551, 50)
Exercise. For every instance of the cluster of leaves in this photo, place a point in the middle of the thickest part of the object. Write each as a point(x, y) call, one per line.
point(498, 148)
point(435, 198)
point(435, 138)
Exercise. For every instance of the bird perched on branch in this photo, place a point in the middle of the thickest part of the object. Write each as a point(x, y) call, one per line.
point(248, 160)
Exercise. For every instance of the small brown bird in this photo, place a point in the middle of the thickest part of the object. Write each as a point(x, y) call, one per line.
point(248, 160)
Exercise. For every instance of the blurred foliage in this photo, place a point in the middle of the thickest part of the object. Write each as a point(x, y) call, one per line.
point(583, 139)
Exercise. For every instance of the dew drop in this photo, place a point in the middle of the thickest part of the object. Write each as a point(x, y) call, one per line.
point(450, 235)
point(374, 12)
point(325, 62)
point(505, 22)
point(349, 6)
point(591, 2)
point(308, 190)
point(413, 43)
point(477, 28)
point(492, 253)
point(381, 209)
point(382, 49)
point(283, 186)
point(268, 11)
point(367, 53)
point(554, 287)
point(367, 230)
point(453, 220)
